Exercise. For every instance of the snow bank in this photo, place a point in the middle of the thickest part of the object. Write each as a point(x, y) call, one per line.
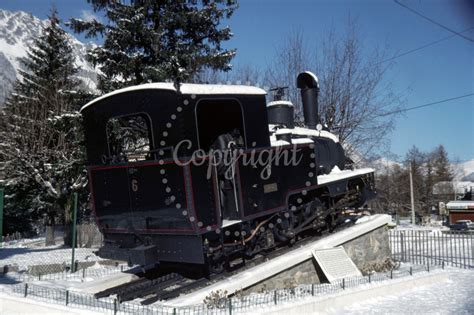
point(382, 297)
point(24, 257)
point(13, 305)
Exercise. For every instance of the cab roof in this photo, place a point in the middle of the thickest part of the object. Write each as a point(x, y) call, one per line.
point(186, 88)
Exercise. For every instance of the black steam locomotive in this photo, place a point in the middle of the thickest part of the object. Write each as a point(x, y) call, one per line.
point(205, 174)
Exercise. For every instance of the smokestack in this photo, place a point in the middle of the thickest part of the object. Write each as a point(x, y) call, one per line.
point(307, 82)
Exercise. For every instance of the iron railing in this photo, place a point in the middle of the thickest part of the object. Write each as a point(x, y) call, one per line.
point(433, 247)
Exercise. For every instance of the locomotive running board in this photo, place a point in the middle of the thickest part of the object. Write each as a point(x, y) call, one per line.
point(226, 223)
point(337, 175)
point(263, 271)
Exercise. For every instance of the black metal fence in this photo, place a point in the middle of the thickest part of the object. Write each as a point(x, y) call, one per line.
point(427, 250)
point(453, 248)
point(233, 305)
point(66, 274)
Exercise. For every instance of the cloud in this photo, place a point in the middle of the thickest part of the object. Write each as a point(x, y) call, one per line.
point(88, 15)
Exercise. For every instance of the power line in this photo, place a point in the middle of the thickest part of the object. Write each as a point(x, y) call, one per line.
point(433, 21)
point(406, 109)
point(424, 46)
point(426, 105)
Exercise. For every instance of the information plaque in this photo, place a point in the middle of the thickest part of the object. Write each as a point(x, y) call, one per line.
point(335, 264)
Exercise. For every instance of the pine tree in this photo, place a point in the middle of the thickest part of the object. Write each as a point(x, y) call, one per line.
point(47, 71)
point(442, 167)
point(46, 86)
point(150, 41)
point(442, 174)
point(41, 154)
point(416, 159)
point(400, 190)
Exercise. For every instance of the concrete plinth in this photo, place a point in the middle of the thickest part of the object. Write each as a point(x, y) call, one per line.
point(366, 251)
point(366, 239)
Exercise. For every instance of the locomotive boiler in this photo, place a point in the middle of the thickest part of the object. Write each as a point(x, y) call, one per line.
point(202, 175)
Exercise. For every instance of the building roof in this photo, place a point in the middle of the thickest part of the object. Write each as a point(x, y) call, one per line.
point(460, 205)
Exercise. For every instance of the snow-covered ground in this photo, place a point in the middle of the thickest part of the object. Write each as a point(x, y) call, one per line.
point(14, 305)
point(28, 260)
point(447, 291)
point(455, 296)
point(28, 252)
point(24, 257)
point(439, 292)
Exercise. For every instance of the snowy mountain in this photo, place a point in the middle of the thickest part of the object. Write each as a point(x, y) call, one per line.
point(463, 171)
point(17, 32)
point(381, 165)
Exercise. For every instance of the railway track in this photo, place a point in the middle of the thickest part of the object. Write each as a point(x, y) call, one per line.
point(184, 288)
point(172, 285)
point(140, 287)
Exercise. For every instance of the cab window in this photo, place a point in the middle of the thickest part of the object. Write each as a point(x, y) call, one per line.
point(129, 138)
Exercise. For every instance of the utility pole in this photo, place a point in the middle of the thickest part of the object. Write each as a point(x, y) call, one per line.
point(411, 196)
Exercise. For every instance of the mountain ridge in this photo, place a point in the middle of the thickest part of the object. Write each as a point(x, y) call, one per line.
point(462, 171)
point(17, 33)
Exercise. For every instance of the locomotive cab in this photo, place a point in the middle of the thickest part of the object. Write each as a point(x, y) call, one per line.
point(136, 138)
point(196, 174)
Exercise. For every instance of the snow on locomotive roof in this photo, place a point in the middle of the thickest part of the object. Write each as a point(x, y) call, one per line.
point(336, 174)
point(277, 143)
point(276, 103)
point(315, 78)
point(308, 132)
point(187, 88)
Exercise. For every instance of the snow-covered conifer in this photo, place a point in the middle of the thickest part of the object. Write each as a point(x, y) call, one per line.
point(41, 154)
point(149, 41)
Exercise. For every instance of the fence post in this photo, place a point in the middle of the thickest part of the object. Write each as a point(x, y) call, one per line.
point(369, 278)
point(230, 306)
point(343, 283)
point(84, 272)
point(67, 297)
point(453, 234)
point(312, 289)
point(391, 273)
point(440, 247)
point(115, 306)
point(411, 271)
point(26, 289)
point(428, 266)
point(442, 264)
point(275, 297)
point(174, 311)
point(402, 246)
point(73, 266)
point(464, 236)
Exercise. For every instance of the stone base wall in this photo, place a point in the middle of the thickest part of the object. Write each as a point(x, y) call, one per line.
point(299, 274)
point(369, 250)
point(366, 251)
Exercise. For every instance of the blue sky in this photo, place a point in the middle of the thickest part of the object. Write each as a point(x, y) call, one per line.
point(442, 71)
